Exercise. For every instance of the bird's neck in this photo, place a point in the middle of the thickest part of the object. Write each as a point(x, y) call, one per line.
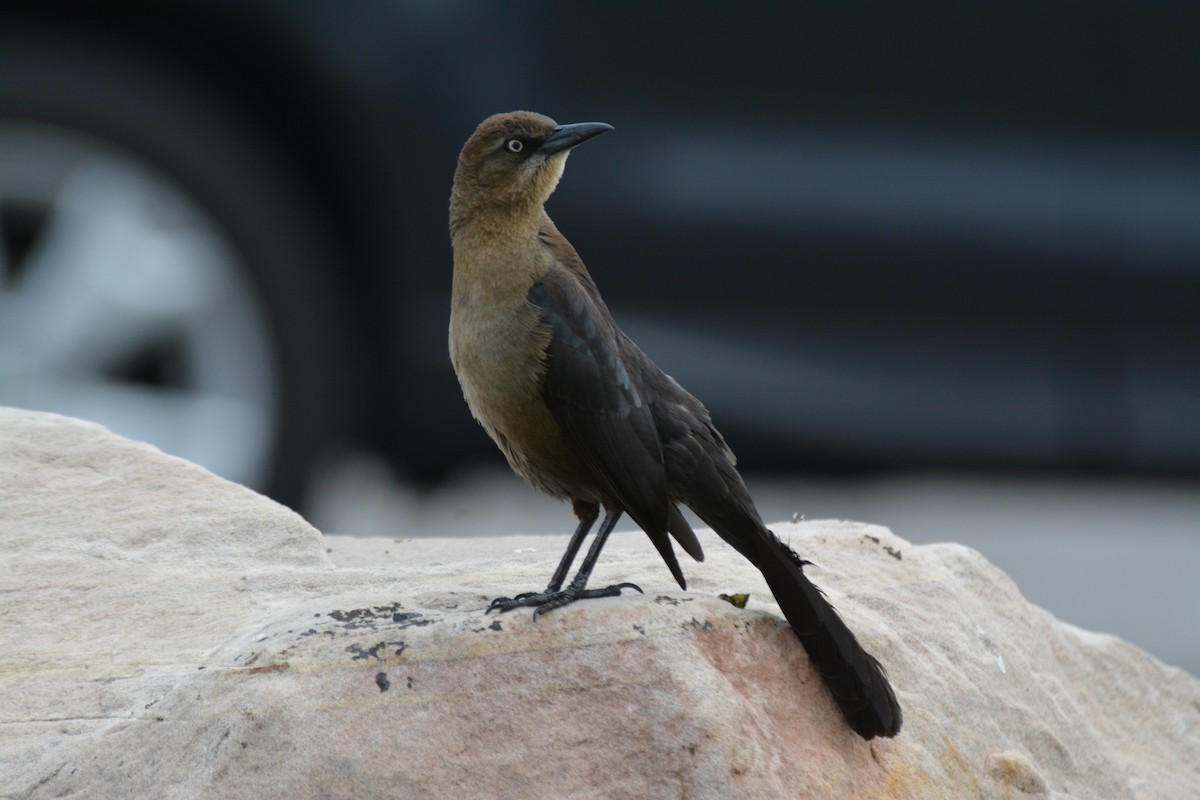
point(475, 226)
point(497, 251)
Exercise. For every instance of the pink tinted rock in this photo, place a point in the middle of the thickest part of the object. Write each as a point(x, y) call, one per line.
point(164, 633)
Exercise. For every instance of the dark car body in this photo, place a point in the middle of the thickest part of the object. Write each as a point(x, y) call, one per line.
point(865, 235)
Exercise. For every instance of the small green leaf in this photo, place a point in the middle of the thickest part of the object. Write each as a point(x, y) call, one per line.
point(738, 600)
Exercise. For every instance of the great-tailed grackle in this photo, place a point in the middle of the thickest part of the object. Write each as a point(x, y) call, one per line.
point(583, 414)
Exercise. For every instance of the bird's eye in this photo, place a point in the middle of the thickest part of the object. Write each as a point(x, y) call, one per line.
point(514, 145)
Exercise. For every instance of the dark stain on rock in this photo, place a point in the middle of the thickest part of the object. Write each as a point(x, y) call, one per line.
point(357, 653)
point(891, 551)
point(365, 614)
point(411, 619)
point(381, 680)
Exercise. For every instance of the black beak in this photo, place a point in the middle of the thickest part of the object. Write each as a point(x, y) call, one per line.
point(567, 136)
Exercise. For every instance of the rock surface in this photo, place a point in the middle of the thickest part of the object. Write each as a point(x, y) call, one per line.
point(164, 633)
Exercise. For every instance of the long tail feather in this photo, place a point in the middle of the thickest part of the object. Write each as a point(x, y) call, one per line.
point(857, 681)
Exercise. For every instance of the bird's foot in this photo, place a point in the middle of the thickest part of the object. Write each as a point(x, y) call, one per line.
point(541, 602)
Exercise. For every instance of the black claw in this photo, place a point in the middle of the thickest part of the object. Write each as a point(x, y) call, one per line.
point(549, 605)
point(541, 602)
point(503, 604)
point(509, 603)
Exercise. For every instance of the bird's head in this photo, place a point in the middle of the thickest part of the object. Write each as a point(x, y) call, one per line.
point(513, 162)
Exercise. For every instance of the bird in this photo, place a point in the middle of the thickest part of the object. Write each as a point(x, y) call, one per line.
point(582, 413)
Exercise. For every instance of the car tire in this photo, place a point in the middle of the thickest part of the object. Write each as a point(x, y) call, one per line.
point(157, 119)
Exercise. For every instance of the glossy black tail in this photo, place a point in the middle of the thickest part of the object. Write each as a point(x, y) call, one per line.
point(856, 680)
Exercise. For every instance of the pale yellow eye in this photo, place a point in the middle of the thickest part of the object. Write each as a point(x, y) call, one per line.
point(514, 145)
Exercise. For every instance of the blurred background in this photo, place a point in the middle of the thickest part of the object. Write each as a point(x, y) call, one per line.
point(934, 265)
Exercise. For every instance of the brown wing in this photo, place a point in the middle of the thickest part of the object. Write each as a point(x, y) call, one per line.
point(600, 406)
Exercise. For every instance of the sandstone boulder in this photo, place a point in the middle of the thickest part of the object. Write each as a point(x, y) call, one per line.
point(166, 634)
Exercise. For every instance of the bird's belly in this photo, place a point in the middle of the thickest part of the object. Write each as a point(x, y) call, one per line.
point(500, 366)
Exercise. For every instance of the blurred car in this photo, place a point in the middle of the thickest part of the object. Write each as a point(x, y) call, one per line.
point(865, 235)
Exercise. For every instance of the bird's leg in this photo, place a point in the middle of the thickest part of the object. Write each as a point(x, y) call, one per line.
point(555, 598)
point(587, 514)
point(589, 561)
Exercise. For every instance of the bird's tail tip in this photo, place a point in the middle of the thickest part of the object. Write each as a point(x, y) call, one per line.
point(855, 678)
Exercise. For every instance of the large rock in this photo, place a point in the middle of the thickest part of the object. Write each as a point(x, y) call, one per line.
point(165, 634)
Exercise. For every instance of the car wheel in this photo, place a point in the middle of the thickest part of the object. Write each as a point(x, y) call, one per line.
point(158, 273)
